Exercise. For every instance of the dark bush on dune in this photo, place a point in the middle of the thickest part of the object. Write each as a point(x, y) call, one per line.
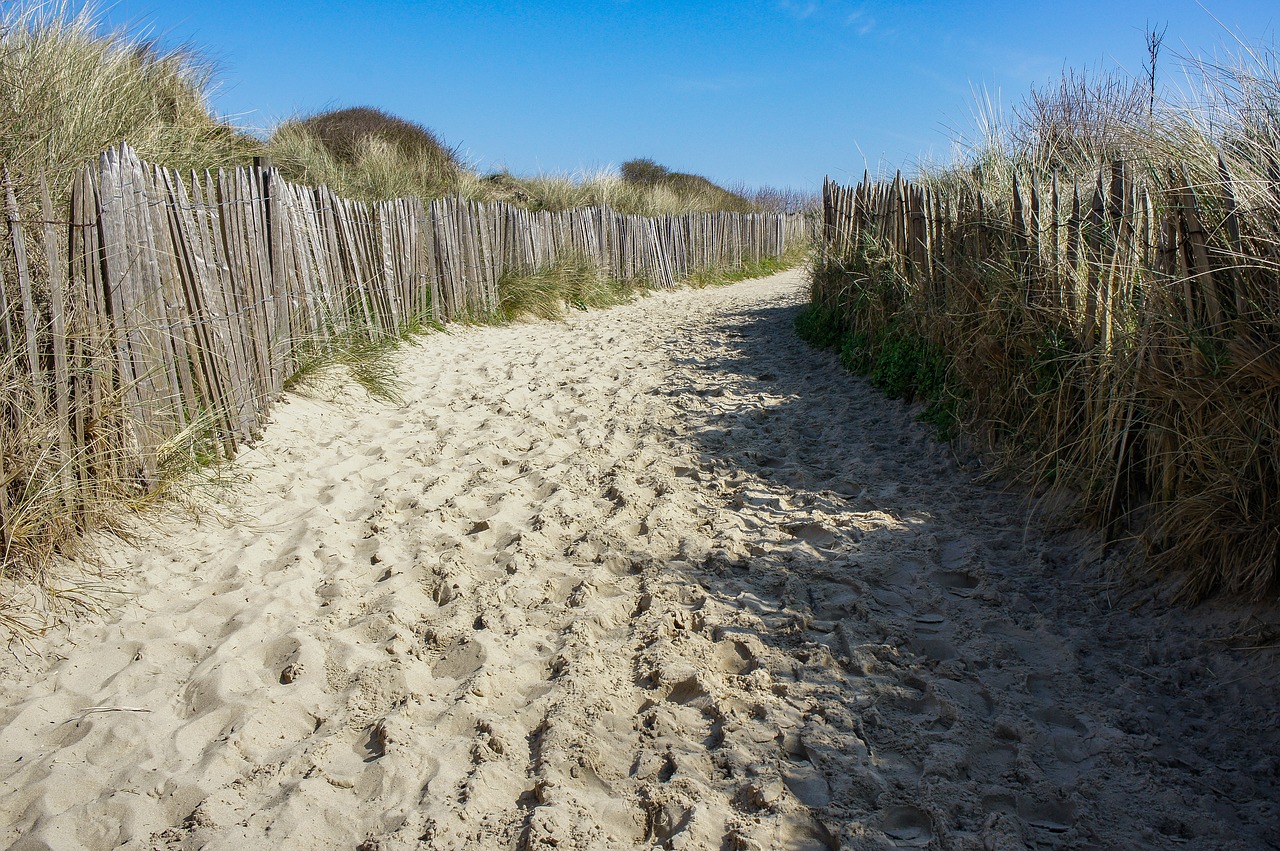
point(346, 132)
point(365, 153)
point(646, 172)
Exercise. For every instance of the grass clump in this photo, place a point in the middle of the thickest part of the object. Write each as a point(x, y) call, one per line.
point(49, 497)
point(356, 355)
point(555, 193)
point(569, 282)
point(699, 192)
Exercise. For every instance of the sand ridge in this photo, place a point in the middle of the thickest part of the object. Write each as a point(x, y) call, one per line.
point(655, 577)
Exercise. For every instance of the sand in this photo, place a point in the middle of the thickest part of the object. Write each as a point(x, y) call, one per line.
point(657, 576)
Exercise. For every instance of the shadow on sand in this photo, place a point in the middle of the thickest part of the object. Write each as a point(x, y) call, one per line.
point(953, 683)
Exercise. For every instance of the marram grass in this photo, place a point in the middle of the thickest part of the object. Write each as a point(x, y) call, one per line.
point(569, 282)
point(68, 91)
point(1163, 429)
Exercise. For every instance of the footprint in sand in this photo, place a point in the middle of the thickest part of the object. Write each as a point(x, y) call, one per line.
point(954, 555)
point(460, 661)
point(733, 658)
point(282, 655)
point(907, 825)
point(957, 582)
point(808, 784)
point(990, 761)
point(1049, 816)
point(934, 648)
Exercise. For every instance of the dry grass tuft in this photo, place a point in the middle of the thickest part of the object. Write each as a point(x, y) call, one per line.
point(570, 282)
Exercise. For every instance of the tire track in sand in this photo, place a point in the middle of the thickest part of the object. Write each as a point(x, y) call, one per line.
point(658, 576)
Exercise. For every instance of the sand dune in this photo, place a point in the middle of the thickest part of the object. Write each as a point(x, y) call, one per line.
point(658, 576)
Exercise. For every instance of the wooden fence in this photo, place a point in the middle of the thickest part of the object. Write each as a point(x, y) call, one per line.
point(160, 300)
point(1088, 255)
point(1121, 333)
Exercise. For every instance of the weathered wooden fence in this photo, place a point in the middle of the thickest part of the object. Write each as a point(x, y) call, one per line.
point(1090, 256)
point(1123, 334)
point(159, 300)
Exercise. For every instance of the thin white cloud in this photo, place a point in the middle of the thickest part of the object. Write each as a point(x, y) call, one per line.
point(860, 20)
point(798, 10)
point(724, 82)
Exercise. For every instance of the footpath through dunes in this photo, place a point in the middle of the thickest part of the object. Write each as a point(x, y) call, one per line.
point(658, 576)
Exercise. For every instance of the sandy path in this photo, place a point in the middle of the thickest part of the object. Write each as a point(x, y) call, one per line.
point(659, 576)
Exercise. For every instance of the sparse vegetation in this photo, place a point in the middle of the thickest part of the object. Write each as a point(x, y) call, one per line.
point(722, 276)
point(354, 356)
point(770, 199)
point(569, 282)
point(575, 282)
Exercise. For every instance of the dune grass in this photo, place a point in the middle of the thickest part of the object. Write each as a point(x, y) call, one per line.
point(353, 357)
point(51, 498)
point(603, 188)
point(571, 282)
point(68, 90)
point(366, 154)
point(1162, 428)
point(681, 194)
point(370, 155)
point(701, 192)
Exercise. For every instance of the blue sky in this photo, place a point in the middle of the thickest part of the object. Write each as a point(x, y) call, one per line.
point(776, 92)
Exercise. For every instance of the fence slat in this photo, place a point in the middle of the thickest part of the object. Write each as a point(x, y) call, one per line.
point(29, 314)
point(57, 271)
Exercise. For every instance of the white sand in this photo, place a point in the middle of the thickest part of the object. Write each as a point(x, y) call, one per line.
point(660, 576)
